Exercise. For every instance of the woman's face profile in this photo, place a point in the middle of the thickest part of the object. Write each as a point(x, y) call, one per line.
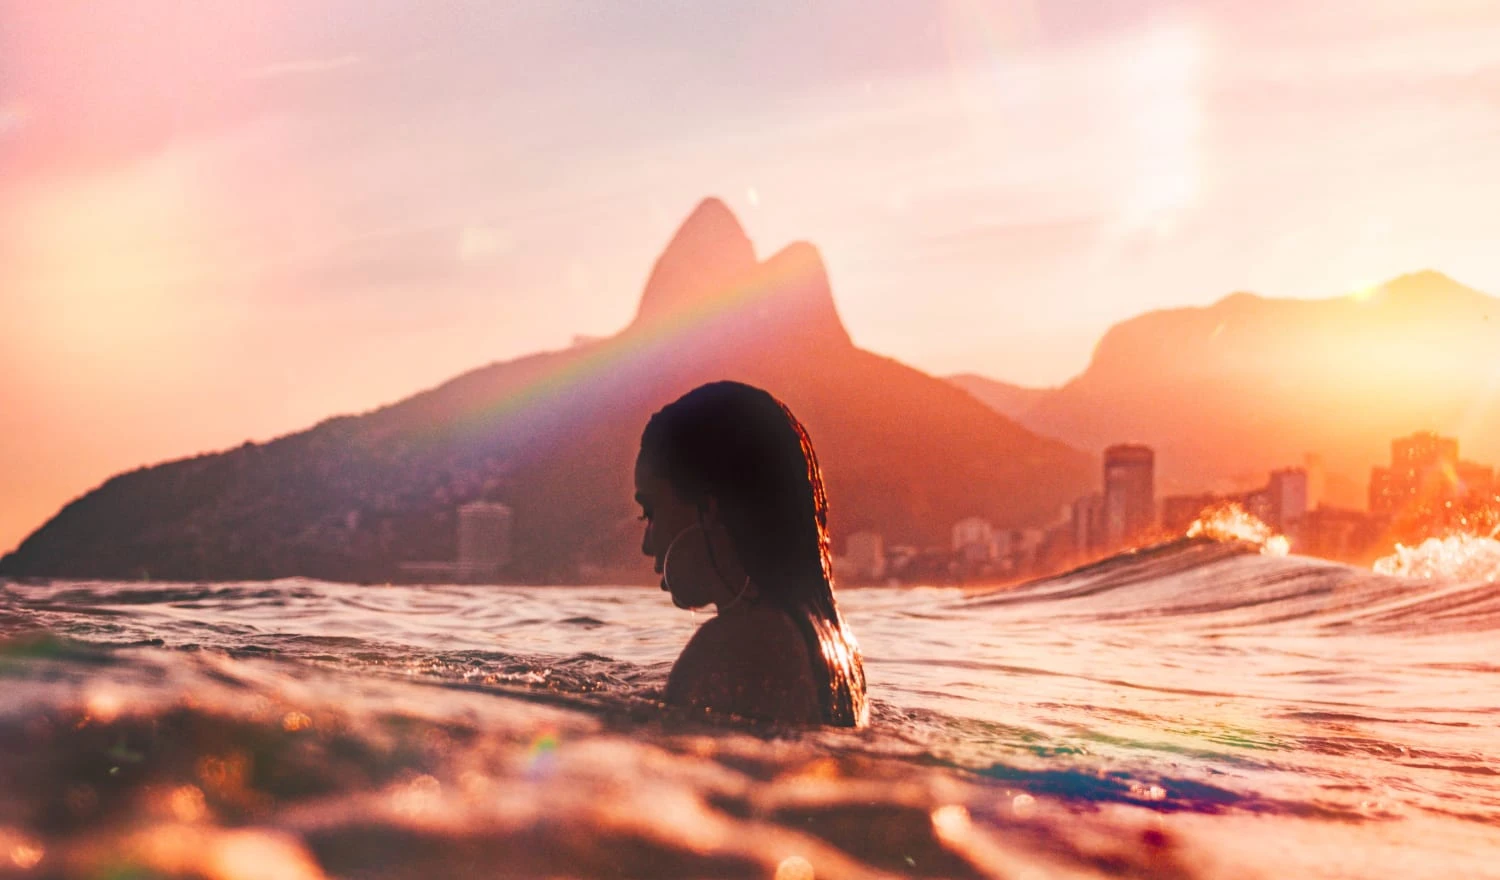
point(671, 518)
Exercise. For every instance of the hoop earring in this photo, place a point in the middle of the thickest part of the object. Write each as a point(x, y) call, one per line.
point(666, 560)
point(744, 589)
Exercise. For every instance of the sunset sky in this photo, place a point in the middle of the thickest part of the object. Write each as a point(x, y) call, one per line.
point(228, 220)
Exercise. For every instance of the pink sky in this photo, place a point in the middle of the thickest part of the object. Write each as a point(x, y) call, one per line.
point(222, 220)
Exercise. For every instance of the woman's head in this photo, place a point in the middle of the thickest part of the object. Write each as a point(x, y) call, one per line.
point(730, 487)
point(730, 460)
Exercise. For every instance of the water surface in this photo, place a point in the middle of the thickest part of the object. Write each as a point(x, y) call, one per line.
point(1198, 710)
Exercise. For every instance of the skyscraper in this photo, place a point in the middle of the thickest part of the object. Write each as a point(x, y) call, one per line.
point(1129, 493)
point(866, 554)
point(1317, 480)
point(1088, 524)
point(1287, 495)
point(1423, 469)
point(974, 540)
point(1179, 512)
point(1476, 480)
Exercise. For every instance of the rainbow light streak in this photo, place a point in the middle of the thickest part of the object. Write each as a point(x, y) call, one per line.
point(541, 755)
point(638, 343)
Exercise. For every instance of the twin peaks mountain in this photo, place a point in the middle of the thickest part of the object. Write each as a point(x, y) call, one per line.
point(554, 437)
point(1228, 391)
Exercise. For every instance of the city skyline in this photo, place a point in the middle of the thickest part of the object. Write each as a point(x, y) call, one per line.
point(234, 222)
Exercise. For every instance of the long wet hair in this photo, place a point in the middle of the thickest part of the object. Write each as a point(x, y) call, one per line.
point(742, 446)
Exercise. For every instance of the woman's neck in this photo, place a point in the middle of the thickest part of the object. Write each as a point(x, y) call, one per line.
point(743, 599)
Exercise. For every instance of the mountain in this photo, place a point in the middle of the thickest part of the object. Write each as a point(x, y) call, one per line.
point(1228, 391)
point(1011, 401)
point(554, 436)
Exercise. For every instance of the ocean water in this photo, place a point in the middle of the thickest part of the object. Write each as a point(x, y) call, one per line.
point(1198, 709)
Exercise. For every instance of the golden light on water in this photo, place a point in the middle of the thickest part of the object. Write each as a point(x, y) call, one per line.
point(950, 822)
point(26, 855)
point(422, 795)
point(1023, 806)
point(187, 803)
point(104, 705)
point(794, 868)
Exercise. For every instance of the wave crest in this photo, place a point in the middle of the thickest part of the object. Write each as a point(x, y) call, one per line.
point(1230, 521)
point(1460, 557)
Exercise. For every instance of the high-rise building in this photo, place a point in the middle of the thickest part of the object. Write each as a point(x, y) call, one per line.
point(1424, 469)
point(1178, 512)
point(1027, 546)
point(1346, 535)
point(1088, 525)
point(483, 537)
point(1317, 480)
point(974, 540)
point(1256, 502)
point(866, 555)
point(1129, 493)
point(1286, 496)
point(1476, 480)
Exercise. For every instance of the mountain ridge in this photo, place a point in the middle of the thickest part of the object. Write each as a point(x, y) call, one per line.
point(553, 435)
point(1231, 389)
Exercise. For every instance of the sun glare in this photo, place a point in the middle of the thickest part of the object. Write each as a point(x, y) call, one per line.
point(1160, 86)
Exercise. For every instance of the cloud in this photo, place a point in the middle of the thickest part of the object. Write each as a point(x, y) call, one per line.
point(480, 243)
point(304, 67)
point(13, 117)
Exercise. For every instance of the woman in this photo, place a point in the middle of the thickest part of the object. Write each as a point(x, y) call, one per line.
point(736, 518)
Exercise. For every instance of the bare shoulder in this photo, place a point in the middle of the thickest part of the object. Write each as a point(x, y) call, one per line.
point(764, 637)
point(754, 664)
point(759, 628)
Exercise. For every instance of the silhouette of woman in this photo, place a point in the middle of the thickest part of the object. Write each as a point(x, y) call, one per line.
point(736, 517)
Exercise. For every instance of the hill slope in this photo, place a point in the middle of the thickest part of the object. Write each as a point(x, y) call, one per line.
point(554, 436)
point(1227, 391)
point(1011, 401)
